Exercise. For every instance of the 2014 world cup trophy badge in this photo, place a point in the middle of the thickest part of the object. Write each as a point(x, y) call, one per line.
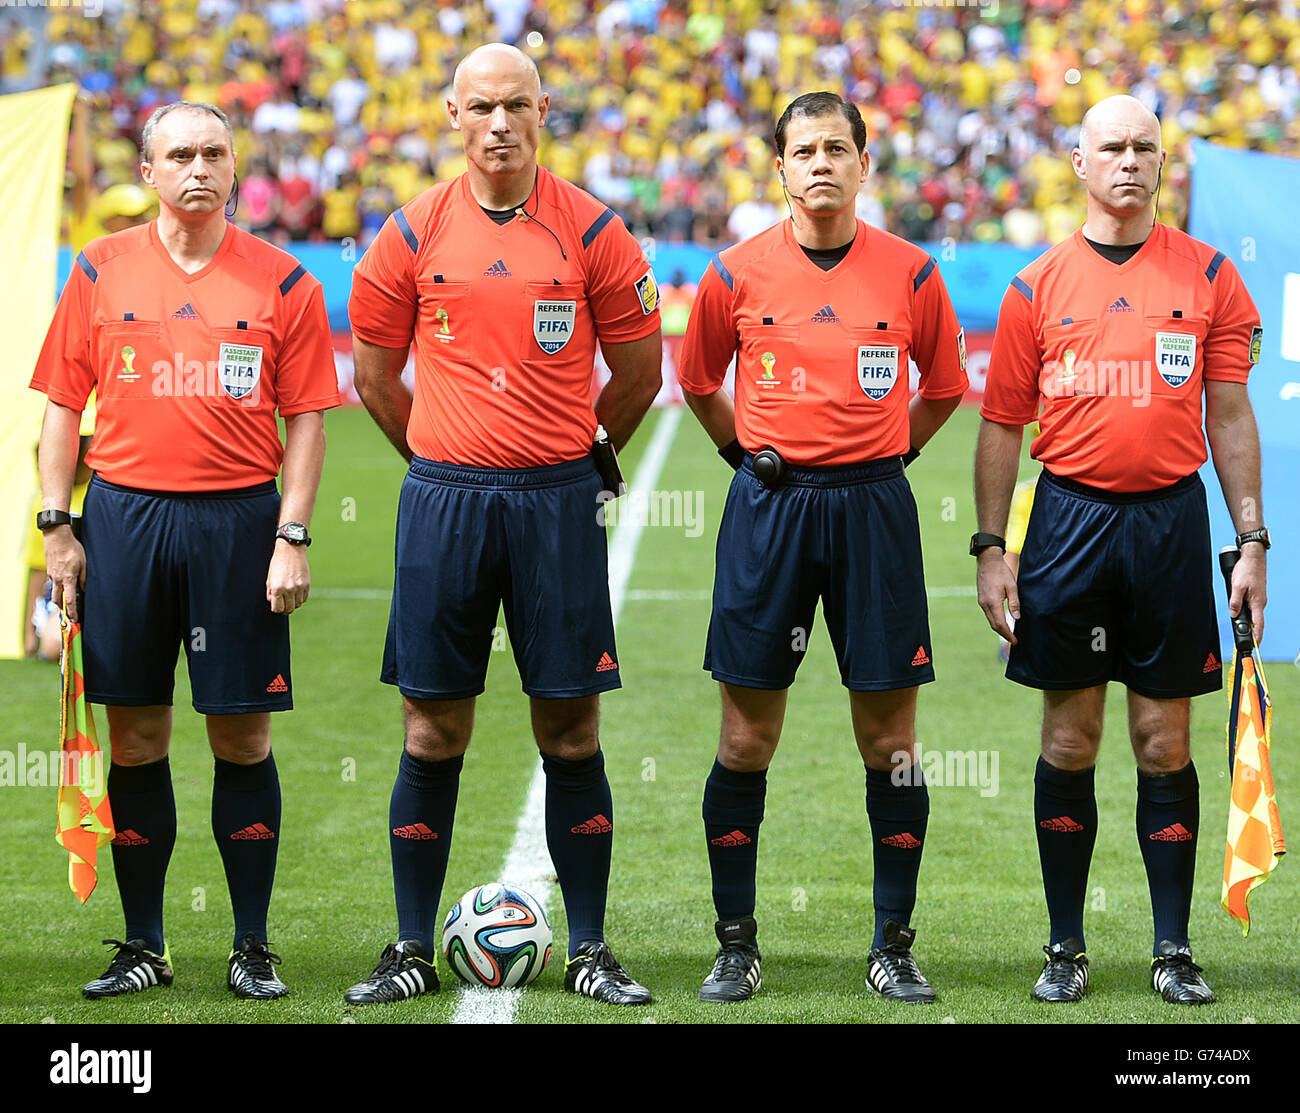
point(128, 373)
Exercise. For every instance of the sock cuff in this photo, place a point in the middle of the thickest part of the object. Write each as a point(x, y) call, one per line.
point(1068, 783)
point(574, 776)
point(897, 803)
point(1169, 788)
point(426, 776)
point(733, 798)
point(229, 776)
point(139, 778)
point(895, 781)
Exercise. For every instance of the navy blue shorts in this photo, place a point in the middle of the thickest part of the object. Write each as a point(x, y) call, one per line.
point(472, 540)
point(165, 570)
point(847, 535)
point(1117, 587)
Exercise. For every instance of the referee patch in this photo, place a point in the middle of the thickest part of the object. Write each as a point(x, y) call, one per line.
point(1256, 344)
point(648, 292)
point(961, 348)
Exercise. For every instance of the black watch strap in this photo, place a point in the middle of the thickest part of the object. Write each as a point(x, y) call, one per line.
point(52, 519)
point(293, 532)
point(1260, 535)
point(981, 541)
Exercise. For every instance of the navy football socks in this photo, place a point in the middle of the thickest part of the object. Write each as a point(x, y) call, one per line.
point(733, 810)
point(1168, 816)
point(580, 838)
point(246, 825)
point(420, 819)
point(899, 814)
point(144, 813)
point(1065, 819)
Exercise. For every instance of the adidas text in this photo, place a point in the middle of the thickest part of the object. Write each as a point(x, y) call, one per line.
point(947, 769)
point(102, 1068)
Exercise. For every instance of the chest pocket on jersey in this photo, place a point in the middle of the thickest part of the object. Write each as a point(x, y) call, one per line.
point(244, 368)
point(550, 317)
point(876, 360)
point(769, 366)
point(1068, 367)
point(444, 306)
point(130, 360)
point(1175, 348)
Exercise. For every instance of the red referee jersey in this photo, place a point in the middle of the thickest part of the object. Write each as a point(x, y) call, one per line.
point(189, 369)
point(1112, 358)
point(822, 356)
point(504, 318)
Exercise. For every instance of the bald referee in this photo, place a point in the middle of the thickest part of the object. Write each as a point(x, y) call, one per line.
point(1114, 339)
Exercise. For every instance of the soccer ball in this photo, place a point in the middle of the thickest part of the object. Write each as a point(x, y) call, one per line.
point(497, 935)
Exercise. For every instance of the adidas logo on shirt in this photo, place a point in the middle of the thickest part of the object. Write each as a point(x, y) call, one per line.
point(824, 316)
point(1119, 305)
point(185, 313)
point(497, 270)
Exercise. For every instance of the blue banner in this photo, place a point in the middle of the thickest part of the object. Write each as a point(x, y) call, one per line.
point(1239, 200)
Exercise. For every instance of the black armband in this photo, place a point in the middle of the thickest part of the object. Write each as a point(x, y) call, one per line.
point(733, 454)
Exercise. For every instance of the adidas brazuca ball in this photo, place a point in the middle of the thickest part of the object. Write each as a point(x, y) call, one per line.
point(497, 935)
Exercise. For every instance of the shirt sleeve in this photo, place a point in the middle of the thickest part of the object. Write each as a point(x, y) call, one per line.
point(621, 287)
point(1232, 343)
point(305, 379)
point(1011, 393)
point(711, 338)
point(384, 297)
point(65, 371)
point(938, 343)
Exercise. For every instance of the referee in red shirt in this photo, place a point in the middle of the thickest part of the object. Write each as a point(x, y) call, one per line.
point(505, 279)
point(1113, 340)
point(194, 335)
point(822, 315)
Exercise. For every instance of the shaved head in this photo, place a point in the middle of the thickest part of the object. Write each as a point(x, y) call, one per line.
point(496, 62)
point(1122, 111)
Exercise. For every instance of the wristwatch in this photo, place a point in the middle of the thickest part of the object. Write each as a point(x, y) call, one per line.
point(981, 541)
point(1260, 535)
point(293, 532)
point(52, 519)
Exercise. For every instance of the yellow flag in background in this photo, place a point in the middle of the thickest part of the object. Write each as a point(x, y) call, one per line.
point(85, 820)
point(32, 157)
point(1255, 842)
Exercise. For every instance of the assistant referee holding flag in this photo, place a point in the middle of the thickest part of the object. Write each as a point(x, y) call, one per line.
point(1113, 339)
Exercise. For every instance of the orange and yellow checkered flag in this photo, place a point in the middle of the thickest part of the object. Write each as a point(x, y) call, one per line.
point(85, 820)
point(1255, 842)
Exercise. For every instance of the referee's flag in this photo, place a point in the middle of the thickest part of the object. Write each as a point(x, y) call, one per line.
point(85, 821)
point(1254, 825)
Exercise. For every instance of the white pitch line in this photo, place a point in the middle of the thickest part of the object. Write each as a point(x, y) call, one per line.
point(528, 864)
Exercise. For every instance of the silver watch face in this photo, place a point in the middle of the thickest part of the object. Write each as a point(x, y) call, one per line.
point(294, 533)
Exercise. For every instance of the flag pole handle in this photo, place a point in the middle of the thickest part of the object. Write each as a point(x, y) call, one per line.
point(1242, 632)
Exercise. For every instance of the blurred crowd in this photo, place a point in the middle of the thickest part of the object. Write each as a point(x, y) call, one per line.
point(664, 108)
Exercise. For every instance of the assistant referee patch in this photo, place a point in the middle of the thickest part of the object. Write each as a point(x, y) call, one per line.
point(1256, 344)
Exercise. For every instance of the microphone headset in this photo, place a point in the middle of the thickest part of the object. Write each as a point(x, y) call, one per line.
point(796, 196)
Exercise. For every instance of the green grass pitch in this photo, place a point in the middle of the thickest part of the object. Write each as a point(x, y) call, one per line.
point(980, 915)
